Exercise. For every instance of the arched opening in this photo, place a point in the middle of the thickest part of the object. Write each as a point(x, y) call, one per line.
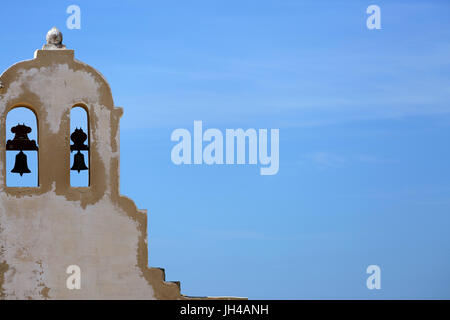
point(22, 155)
point(79, 147)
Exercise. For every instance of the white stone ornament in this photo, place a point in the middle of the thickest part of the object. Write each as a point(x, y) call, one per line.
point(54, 40)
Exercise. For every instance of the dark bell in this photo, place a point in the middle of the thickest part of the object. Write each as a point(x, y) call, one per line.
point(78, 162)
point(21, 165)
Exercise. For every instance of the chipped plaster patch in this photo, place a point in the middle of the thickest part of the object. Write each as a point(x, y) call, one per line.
point(102, 138)
point(14, 91)
point(102, 239)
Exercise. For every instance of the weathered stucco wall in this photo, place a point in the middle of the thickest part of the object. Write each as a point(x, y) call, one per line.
point(45, 229)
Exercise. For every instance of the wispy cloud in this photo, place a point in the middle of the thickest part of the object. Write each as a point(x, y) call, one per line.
point(326, 160)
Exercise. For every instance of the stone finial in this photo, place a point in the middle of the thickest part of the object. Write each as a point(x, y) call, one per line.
point(54, 36)
point(54, 40)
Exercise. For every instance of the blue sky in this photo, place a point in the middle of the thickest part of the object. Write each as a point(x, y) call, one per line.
point(364, 121)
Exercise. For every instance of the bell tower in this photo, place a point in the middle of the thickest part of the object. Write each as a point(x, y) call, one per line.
point(48, 229)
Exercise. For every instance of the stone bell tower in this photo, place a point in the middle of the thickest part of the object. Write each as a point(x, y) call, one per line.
point(48, 229)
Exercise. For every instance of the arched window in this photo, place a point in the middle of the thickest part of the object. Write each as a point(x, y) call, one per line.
point(21, 148)
point(79, 147)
